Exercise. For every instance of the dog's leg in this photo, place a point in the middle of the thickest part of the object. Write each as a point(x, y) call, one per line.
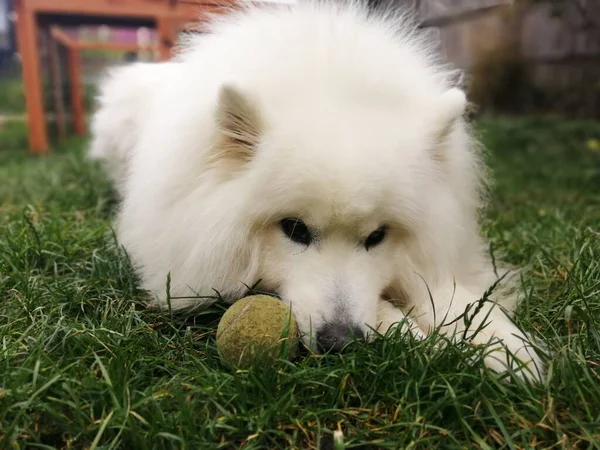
point(482, 322)
point(389, 316)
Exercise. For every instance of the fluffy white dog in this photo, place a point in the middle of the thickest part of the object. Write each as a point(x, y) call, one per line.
point(321, 149)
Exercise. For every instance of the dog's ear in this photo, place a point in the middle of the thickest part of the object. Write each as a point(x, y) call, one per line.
point(448, 109)
point(239, 127)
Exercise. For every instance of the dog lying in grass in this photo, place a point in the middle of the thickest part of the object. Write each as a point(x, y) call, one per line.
point(320, 148)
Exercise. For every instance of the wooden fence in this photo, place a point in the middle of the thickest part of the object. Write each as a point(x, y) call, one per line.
point(555, 53)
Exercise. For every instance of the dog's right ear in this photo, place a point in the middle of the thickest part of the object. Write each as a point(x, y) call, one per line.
point(448, 108)
point(239, 127)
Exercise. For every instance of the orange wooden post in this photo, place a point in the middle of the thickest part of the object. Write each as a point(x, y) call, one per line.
point(27, 34)
point(76, 83)
point(166, 37)
point(56, 83)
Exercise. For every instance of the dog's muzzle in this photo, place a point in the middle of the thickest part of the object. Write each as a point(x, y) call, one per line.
point(333, 337)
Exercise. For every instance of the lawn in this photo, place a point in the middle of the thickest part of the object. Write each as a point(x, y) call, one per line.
point(83, 365)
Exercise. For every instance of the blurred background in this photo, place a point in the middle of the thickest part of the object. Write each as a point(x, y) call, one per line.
point(521, 56)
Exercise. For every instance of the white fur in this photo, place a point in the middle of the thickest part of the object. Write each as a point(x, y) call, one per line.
point(359, 127)
point(122, 105)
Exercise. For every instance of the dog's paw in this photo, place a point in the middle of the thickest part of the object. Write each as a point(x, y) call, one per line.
point(512, 352)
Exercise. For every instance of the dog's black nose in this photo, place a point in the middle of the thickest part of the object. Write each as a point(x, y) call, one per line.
point(333, 337)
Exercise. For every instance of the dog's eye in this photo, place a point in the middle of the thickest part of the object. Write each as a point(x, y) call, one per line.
point(296, 230)
point(375, 237)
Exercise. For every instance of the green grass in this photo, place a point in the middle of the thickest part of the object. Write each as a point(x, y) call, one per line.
point(83, 365)
point(12, 95)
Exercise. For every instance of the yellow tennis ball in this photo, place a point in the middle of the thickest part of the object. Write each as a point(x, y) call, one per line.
point(256, 327)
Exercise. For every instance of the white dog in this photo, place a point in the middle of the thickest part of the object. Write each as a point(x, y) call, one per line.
point(321, 149)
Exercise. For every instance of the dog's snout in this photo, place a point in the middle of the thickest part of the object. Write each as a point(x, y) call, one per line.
point(333, 337)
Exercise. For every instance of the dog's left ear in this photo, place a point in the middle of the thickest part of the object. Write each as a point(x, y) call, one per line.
point(239, 127)
point(448, 109)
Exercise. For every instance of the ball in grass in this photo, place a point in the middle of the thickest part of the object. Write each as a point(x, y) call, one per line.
point(257, 327)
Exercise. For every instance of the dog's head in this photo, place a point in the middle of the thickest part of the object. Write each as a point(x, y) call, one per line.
point(341, 200)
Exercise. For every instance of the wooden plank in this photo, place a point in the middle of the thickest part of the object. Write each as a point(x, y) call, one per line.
point(114, 46)
point(462, 41)
point(27, 35)
point(131, 8)
point(555, 38)
point(57, 91)
point(439, 12)
point(166, 37)
point(76, 83)
point(62, 37)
